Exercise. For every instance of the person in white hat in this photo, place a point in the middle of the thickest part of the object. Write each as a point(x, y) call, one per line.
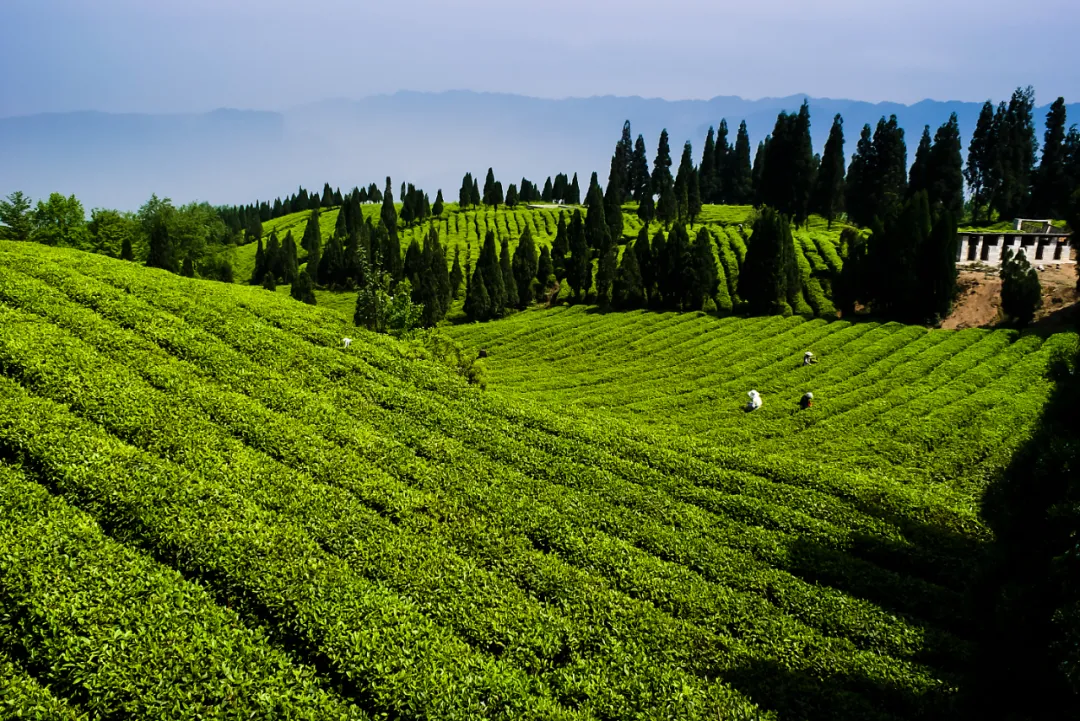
point(808, 358)
point(347, 341)
point(755, 401)
point(806, 401)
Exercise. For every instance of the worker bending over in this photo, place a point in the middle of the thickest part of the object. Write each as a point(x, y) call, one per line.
point(808, 358)
point(806, 401)
point(755, 401)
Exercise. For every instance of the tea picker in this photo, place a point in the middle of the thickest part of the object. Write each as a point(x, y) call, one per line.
point(806, 401)
point(755, 401)
point(808, 358)
point(347, 341)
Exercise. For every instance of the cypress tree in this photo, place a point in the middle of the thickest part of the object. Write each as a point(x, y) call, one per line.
point(694, 201)
point(605, 275)
point(596, 227)
point(937, 267)
point(758, 173)
point(639, 171)
point(829, 194)
point(126, 252)
point(615, 193)
point(437, 209)
point(561, 188)
point(573, 195)
point(740, 190)
point(770, 276)
point(578, 267)
point(332, 264)
point(351, 269)
point(260, 263)
point(1016, 150)
point(506, 266)
point(477, 299)
point(465, 193)
point(979, 172)
point(512, 196)
point(545, 271)
point(312, 243)
point(289, 263)
point(706, 281)
point(656, 270)
point(559, 248)
point(489, 189)
point(1050, 197)
point(388, 213)
point(888, 172)
point(524, 267)
point(680, 268)
point(338, 200)
point(546, 195)
point(269, 282)
point(919, 175)
point(895, 258)
point(682, 183)
point(667, 206)
point(327, 196)
point(188, 268)
point(628, 290)
point(856, 197)
point(456, 275)
point(488, 265)
point(434, 281)
point(644, 263)
point(313, 202)
point(414, 262)
point(946, 175)
point(707, 168)
point(661, 175)
point(1021, 291)
point(272, 260)
point(624, 151)
point(475, 199)
point(303, 289)
point(646, 208)
point(722, 165)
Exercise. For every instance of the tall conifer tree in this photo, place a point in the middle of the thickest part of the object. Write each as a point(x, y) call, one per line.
point(829, 193)
point(1050, 196)
point(578, 265)
point(946, 174)
point(741, 186)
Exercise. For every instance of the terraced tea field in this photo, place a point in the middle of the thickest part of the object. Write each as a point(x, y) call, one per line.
point(211, 509)
point(942, 408)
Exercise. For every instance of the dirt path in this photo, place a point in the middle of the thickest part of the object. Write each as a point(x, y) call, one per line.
point(978, 304)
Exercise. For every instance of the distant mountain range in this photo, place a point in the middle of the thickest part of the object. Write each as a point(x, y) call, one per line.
point(430, 139)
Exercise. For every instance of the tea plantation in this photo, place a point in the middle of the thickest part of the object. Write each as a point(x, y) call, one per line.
point(210, 508)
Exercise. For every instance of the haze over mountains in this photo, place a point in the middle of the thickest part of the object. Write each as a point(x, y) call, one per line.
point(429, 139)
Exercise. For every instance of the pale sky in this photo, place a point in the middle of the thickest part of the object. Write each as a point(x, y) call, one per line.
point(197, 55)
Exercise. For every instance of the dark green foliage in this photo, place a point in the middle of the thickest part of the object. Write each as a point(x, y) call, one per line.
point(628, 289)
point(578, 266)
point(895, 258)
point(705, 277)
point(758, 173)
point(437, 208)
point(605, 275)
point(654, 274)
point(828, 199)
point(851, 284)
point(594, 188)
point(1021, 292)
point(770, 275)
point(856, 197)
point(643, 251)
point(188, 268)
point(545, 270)
point(1052, 186)
point(435, 291)
point(126, 252)
point(312, 243)
point(524, 267)
point(332, 268)
point(740, 186)
point(937, 268)
point(623, 169)
point(694, 203)
point(260, 263)
point(512, 196)
point(946, 175)
point(273, 261)
point(646, 208)
point(475, 199)
point(560, 247)
point(1015, 150)
point(877, 176)
point(456, 275)
point(547, 194)
point(15, 216)
point(682, 183)
point(303, 289)
point(289, 263)
point(269, 282)
point(488, 265)
point(639, 171)
point(979, 172)
point(477, 300)
point(788, 175)
point(162, 252)
point(597, 234)
point(573, 194)
point(919, 175)
point(388, 213)
point(661, 175)
point(723, 165)
point(492, 191)
point(414, 261)
point(465, 193)
point(507, 270)
point(707, 169)
point(615, 193)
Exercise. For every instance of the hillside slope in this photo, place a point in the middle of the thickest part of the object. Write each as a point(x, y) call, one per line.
point(209, 504)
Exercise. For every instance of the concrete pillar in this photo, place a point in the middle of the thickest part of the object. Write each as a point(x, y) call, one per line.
point(961, 249)
point(995, 251)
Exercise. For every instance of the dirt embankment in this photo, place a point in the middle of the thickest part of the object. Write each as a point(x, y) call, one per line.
point(978, 303)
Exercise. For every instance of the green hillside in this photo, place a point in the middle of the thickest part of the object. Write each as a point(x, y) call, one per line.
point(464, 230)
point(210, 508)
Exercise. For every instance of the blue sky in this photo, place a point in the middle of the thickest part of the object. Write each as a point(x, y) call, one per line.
point(195, 55)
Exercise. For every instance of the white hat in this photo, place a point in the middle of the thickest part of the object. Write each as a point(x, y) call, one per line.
point(808, 353)
point(752, 393)
point(809, 395)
